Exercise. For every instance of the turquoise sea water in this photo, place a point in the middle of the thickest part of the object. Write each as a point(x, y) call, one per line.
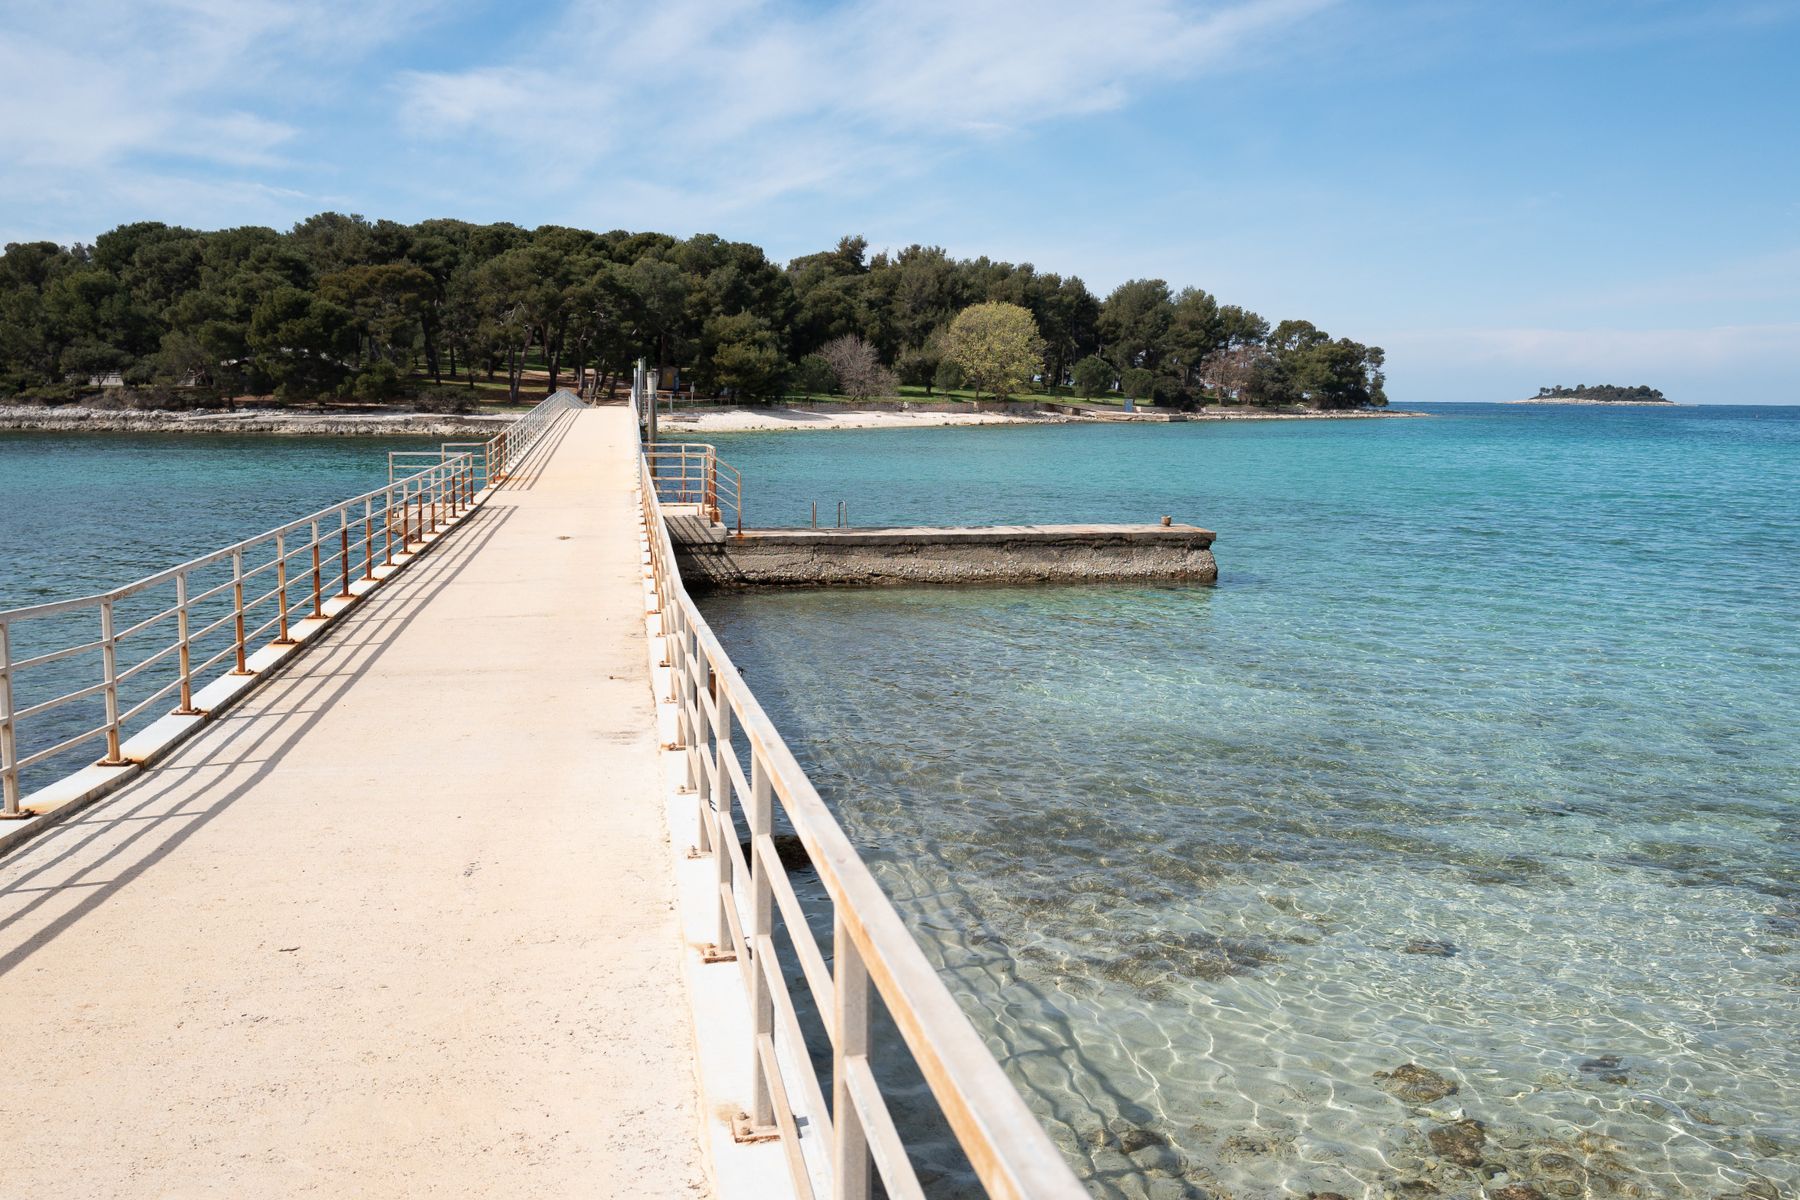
point(1481, 757)
point(1511, 689)
point(84, 513)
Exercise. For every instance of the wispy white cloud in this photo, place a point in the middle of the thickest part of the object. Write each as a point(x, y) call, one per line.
point(779, 98)
point(100, 95)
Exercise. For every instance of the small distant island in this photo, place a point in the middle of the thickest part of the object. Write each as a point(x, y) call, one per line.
point(1599, 393)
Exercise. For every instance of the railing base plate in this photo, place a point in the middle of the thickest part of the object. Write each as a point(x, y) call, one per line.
point(742, 1131)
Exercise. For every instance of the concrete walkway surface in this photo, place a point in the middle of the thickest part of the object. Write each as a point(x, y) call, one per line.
point(398, 925)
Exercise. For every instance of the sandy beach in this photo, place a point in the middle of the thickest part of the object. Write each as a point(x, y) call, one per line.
point(759, 420)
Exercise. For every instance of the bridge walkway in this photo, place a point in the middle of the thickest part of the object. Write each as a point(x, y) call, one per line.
point(398, 925)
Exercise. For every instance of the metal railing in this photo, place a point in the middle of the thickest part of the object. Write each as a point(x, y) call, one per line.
point(872, 954)
point(693, 473)
point(142, 651)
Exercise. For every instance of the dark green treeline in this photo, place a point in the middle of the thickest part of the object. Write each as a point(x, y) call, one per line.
point(340, 305)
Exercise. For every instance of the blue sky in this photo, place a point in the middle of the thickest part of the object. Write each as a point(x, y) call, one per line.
point(1502, 194)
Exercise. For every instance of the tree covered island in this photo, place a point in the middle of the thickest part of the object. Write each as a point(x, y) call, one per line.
point(1599, 393)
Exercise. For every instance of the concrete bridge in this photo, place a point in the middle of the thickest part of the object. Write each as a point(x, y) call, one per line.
point(461, 885)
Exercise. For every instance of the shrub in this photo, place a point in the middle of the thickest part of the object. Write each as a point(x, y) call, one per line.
point(812, 376)
point(47, 394)
point(1093, 375)
point(443, 398)
point(859, 372)
point(377, 381)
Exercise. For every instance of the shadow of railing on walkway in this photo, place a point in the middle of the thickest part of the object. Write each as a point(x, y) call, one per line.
point(155, 814)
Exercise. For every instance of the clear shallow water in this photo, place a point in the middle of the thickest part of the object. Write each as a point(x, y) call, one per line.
point(1519, 680)
point(83, 513)
point(1480, 758)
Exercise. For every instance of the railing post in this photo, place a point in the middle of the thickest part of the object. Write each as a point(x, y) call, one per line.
point(344, 554)
point(109, 664)
point(387, 531)
point(850, 1174)
point(318, 582)
point(184, 654)
point(724, 854)
point(237, 602)
point(368, 537)
point(281, 586)
point(698, 739)
point(9, 746)
point(761, 817)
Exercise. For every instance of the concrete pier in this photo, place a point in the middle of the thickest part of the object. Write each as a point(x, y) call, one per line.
point(400, 923)
point(1001, 554)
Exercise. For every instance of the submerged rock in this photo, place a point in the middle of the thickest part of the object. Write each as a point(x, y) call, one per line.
point(1460, 1141)
point(789, 849)
point(1558, 1164)
point(1516, 1191)
point(1127, 1138)
point(1434, 947)
point(1414, 1084)
point(1605, 1069)
point(1245, 1147)
point(1133, 1140)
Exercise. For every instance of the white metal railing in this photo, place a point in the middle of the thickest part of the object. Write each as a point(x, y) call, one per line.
point(693, 473)
point(141, 651)
point(738, 800)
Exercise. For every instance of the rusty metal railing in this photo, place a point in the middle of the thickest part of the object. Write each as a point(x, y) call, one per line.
point(739, 798)
point(112, 661)
point(692, 473)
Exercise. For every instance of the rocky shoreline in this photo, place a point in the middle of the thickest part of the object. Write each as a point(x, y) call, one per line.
point(80, 419)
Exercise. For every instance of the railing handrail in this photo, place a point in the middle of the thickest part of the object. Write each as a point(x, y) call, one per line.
point(716, 484)
point(1007, 1146)
point(213, 556)
point(429, 499)
point(205, 560)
